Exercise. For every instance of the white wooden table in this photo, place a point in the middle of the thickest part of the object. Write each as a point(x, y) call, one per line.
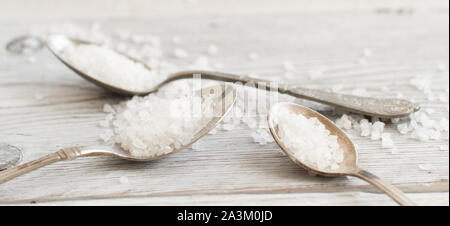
point(228, 168)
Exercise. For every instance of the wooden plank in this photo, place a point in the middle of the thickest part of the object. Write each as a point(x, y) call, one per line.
point(302, 199)
point(403, 46)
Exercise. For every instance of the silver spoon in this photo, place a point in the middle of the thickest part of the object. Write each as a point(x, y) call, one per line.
point(348, 167)
point(378, 107)
point(224, 96)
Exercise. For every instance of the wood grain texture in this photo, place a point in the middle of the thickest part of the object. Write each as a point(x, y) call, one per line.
point(229, 164)
point(310, 199)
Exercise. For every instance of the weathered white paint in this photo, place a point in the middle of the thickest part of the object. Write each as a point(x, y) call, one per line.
point(229, 164)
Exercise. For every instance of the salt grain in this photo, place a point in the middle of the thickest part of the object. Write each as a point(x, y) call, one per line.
point(377, 130)
point(107, 65)
point(365, 127)
point(403, 128)
point(344, 122)
point(309, 140)
point(386, 140)
point(153, 125)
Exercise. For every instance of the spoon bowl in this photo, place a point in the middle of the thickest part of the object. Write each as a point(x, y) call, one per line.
point(377, 107)
point(224, 96)
point(349, 165)
point(56, 49)
point(350, 154)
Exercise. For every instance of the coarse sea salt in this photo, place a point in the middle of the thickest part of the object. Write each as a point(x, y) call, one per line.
point(386, 140)
point(153, 125)
point(377, 130)
point(344, 122)
point(309, 140)
point(107, 65)
point(147, 48)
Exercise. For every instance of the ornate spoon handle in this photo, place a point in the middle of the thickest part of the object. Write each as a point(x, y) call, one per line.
point(63, 154)
point(378, 107)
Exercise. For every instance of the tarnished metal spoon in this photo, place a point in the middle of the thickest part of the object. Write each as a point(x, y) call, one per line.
point(349, 165)
point(224, 97)
point(378, 107)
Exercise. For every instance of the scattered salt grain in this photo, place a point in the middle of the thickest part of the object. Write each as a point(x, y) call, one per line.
point(386, 140)
point(309, 140)
point(344, 122)
point(395, 120)
point(377, 130)
point(365, 127)
point(403, 128)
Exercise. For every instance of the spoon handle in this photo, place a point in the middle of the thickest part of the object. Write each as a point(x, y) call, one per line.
point(63, 154)
point(378, 107)
point(393, 192)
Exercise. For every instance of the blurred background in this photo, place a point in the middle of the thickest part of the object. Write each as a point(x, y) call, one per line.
point(105, 9)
